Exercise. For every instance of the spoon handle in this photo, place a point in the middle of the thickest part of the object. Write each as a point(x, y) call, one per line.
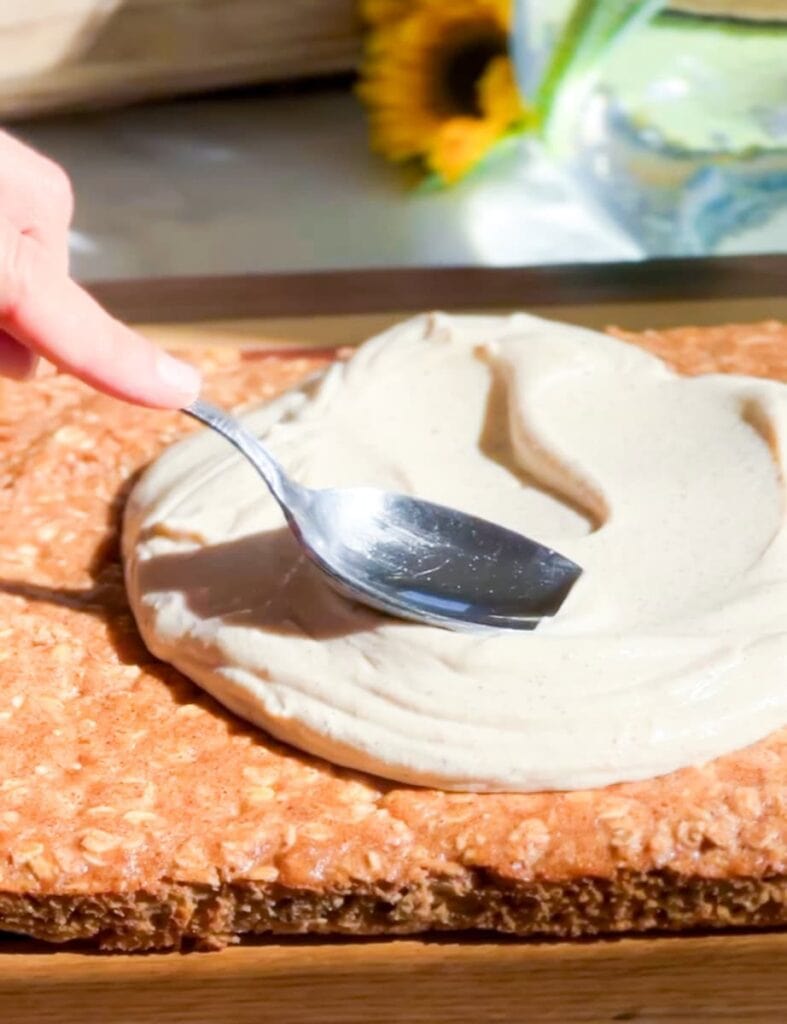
point(247, 444)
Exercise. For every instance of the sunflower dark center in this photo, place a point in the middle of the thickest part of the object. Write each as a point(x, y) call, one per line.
point(463, 64)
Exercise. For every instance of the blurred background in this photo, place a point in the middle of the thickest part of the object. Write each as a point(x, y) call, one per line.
point(233, 136)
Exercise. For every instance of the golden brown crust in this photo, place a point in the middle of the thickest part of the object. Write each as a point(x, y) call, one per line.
point(136, 812)
point(209, 917)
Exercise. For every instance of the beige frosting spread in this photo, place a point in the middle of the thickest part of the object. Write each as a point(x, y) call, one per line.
point(669, 492)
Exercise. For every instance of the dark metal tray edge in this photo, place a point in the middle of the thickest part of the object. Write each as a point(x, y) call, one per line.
point(327, 293)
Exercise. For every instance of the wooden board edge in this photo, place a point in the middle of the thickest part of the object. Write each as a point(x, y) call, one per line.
point(718, 977)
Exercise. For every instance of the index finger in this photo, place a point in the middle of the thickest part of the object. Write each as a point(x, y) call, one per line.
point(51, 315)
point(35, 194)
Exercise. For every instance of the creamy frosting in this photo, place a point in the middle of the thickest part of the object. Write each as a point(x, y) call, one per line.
point(668, 491)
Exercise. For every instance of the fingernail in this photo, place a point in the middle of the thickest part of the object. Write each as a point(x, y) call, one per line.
point(181, 377)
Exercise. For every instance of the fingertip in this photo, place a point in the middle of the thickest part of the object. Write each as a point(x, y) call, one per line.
point(182, 381)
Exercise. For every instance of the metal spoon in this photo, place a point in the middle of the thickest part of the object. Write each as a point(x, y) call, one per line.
point(408, 557)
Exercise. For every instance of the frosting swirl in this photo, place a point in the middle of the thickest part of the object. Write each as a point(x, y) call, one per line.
point(668, 491)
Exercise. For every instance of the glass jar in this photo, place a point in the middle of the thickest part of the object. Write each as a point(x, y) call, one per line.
point(673, 118)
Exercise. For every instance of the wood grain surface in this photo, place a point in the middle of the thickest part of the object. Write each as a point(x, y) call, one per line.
point(731, 977)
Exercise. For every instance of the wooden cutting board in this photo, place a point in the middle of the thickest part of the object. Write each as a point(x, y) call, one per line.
point(736, 978)
point(733, 977)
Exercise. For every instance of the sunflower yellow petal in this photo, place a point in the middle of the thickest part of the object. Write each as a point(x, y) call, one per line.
point(459, 145)
point(498, 96)
point(379, 12)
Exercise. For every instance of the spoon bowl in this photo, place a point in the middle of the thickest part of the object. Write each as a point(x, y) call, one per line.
point(408, 557)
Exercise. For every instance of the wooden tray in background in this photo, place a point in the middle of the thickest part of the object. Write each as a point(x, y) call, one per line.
point(66, 54)
point(734, 977)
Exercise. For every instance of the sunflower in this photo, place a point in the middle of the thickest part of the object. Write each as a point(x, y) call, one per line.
point(438, 81)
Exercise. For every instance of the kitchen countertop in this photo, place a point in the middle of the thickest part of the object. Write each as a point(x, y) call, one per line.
point(285, 182)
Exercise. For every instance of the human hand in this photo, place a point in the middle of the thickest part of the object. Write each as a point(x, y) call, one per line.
point(43, 312)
